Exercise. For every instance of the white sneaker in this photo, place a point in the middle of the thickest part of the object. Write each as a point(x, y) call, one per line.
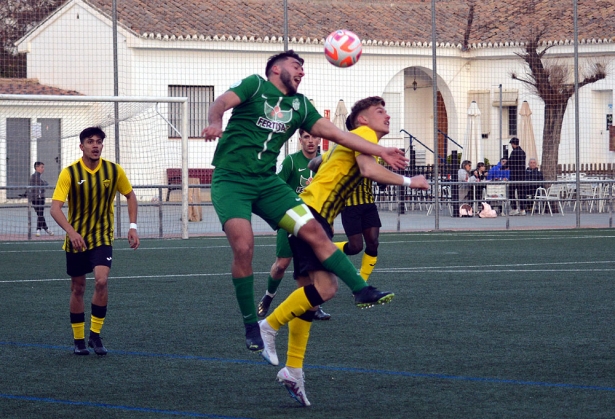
point(522, 212)
point(268, 336)
point(49, 232)
point(38, 233)
point(514, 212)
point(294, 385)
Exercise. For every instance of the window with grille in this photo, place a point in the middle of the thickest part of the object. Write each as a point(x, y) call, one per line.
point(199, 100)
point(512, 121)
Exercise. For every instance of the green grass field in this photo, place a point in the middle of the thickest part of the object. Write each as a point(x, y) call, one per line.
point(484, 325)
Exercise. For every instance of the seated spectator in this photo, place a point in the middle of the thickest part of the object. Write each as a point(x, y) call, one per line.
point(496, 172)
point(533, 174)
point(463, 175)
point(479, 174)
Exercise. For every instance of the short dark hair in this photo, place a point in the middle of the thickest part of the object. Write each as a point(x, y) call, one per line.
point(91, 131)
point(480, 164)
point(360, 106)
point(282, 56)
point(514, 140)
point(38, 163)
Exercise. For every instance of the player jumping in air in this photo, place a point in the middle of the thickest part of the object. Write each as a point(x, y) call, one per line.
point(265, 114)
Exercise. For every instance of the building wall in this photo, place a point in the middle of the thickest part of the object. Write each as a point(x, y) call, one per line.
point(73, 51)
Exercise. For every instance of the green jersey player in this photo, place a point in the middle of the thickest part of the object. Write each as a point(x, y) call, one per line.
point(265, 114)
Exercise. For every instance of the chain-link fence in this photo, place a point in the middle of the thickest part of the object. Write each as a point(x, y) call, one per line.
point(461, 80)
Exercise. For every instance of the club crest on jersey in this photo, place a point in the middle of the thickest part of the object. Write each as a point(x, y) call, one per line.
point(296, 104)
point(275, 118)
point(303, 183)
point(107, 182)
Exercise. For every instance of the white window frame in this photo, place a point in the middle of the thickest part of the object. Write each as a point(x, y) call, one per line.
point(199, 100)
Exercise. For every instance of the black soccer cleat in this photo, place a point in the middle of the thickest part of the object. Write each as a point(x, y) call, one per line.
point(263, 306)
point(80, 348)
point(370, 296)
point(254, 342)
point(321, 315)
point(95, 343)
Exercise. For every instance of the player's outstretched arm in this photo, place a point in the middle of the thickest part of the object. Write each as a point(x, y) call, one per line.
point(326, 129)
point(372, 170)
point(223, 103)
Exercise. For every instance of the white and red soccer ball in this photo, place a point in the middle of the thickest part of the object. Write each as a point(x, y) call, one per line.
point(343, 48)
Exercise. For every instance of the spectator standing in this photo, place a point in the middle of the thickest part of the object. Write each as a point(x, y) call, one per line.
point(516, 165)
point(37, 197)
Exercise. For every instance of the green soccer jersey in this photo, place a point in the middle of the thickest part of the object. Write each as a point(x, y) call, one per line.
point(259, 126)
point(295, 171)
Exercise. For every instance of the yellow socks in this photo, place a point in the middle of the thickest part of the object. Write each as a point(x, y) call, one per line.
point(340, 245)
point(77, 322)
point(298, 335)
point(367, 265)
point(97, 324)
point(78, 330)
point(297, 303)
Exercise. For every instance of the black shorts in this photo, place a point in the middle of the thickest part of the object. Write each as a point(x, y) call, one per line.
point(357, 218)
point(82, 263)
point(305, 259)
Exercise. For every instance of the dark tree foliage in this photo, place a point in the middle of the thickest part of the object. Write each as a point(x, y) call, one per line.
point(17, 17)
point(553, 82)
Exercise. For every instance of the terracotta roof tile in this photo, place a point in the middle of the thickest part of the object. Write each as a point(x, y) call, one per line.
point(30, 87)
point(397, 21)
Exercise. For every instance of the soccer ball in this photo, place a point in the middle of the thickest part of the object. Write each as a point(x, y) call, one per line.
point(343, 48)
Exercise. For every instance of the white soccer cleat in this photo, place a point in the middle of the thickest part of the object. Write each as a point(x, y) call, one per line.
point(294, 385)
point(38, 233)
point(268, 336)
point(49, 232)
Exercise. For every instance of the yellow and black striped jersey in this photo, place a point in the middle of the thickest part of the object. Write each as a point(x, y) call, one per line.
point(362, 194)
point(336, 178)
point(90, 195)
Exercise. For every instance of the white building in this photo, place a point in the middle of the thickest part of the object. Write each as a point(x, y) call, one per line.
point(199, 49)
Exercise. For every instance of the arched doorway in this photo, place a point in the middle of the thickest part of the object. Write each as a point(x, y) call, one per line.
point(418, 114)
point(442, 127)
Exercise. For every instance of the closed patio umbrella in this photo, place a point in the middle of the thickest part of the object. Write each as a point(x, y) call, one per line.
point(473, 143)
point(341, 113)
point(526, 133)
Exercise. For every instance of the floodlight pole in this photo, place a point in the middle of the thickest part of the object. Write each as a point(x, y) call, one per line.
point(435, 115)
point(576, 108)
point(501, 142)
point(116, 115)
point(286, 49)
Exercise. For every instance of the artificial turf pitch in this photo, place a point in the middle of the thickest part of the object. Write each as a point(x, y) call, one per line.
point(483, 325)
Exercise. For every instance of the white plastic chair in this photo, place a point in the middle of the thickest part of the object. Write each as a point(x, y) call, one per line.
point(495, 195)
point(587, 196)
point(554, 194)
point(541, 198)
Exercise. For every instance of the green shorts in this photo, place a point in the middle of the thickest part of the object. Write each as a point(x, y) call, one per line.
point(282, 246)
point(236, 195)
